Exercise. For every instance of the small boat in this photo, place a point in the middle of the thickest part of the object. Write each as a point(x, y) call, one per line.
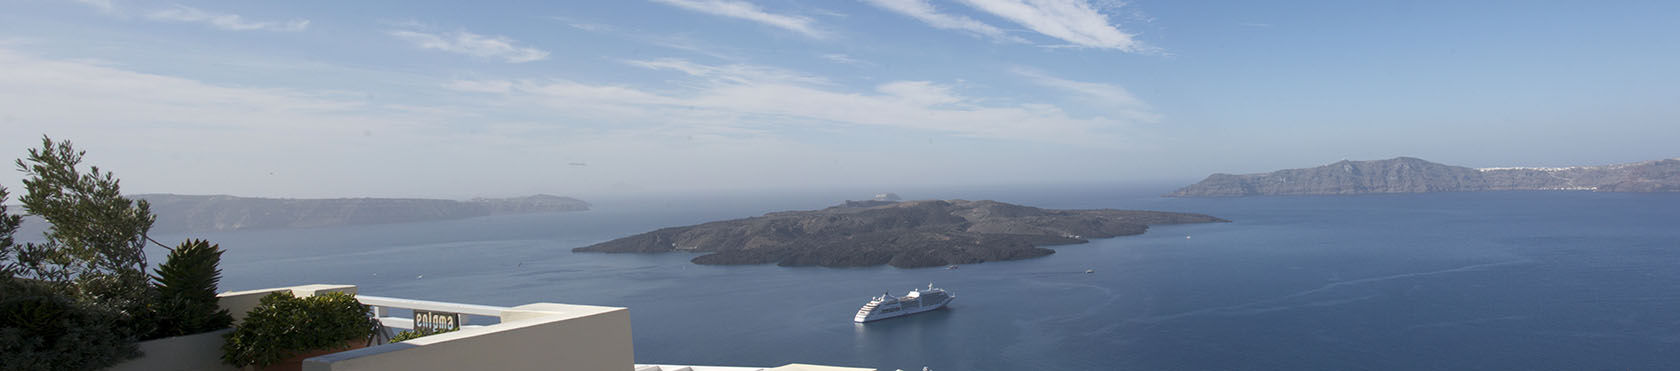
point(917, 301)
point(1089, 271)
point(953, 266)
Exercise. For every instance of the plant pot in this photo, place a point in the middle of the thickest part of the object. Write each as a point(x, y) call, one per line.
point(296, 362)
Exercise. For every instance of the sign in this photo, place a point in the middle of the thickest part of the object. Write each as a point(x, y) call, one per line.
point(436, 321)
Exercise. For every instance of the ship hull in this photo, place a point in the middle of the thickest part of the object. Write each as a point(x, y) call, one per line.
point(872, 317)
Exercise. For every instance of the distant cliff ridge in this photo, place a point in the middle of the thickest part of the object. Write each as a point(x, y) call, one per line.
point(1411, 175)
point(901, 234)
point(178, 213)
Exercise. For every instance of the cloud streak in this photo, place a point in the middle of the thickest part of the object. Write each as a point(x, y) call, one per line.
point(1113, 98)
point(231, 22)
point(220, 136)
point(1072, 21)
point(748, 11)
point(462, 42)
point(755, 99)
point(845, 59)
point(79, 93)
point(104, 6)
point(923, 11)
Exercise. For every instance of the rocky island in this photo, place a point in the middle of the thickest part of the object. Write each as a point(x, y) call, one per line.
point(178, 213)
point(901, 234)
point(1412, 175)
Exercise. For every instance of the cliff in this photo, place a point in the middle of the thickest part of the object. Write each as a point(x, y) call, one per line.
point(901, 234)
point(1411, 175)
point(178, 213)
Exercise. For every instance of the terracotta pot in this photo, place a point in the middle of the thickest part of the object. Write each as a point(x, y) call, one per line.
point(296, 362)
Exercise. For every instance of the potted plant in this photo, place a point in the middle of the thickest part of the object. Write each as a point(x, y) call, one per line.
point(407, 335)
point(284, 329)
point(183, 313)
point(186, 300)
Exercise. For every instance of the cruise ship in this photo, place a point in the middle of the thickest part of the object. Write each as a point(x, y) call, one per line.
point(917, 301)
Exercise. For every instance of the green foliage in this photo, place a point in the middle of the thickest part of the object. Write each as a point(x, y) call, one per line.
point(95, 245)
point(407, 335)
point(9, 223)
point(282, 326)
point(186, 286)
point(80, 299)
point(42, 329)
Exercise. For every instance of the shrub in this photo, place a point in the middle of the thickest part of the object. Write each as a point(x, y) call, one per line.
point(42, 329)
point(407, 335)
point(283, 326)
point(186, 284)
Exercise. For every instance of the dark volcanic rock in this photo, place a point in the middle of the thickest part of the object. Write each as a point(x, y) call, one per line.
point(1411, 175)
point(901, 234)
point(214, 213)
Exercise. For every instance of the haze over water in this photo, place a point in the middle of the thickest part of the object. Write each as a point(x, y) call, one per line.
point(1501, 280)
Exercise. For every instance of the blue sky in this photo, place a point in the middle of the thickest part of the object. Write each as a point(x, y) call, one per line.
point(461, 99)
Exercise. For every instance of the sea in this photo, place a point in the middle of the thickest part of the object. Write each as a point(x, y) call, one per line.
point(1489, 280)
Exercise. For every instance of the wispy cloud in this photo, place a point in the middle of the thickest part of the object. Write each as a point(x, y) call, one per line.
point(591, 27)
point(1113, 98)
point(40, 86)
point(828, 13)
point(731, 73)
point(410, 23)
point(925, 12)
point(194, 127)
point(105, 6)
point(583, 25)
point(678, 41)
point(209, 138)
point(748, 11)
point(232, 22)
point(1073, 21)
point(463, 42)
point(921, 93)
point(689, 44)
point(750, 98)
point(845, 59)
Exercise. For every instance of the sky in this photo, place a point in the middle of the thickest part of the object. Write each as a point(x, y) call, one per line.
point(454, 99)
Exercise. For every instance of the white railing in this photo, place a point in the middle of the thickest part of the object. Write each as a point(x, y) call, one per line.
point(382, 306)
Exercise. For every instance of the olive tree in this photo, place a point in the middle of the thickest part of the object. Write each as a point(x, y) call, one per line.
point(9, 225)
point(95, 244)
point(79, 298)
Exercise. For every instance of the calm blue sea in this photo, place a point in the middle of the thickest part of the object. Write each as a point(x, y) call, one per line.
point(1501, 280)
